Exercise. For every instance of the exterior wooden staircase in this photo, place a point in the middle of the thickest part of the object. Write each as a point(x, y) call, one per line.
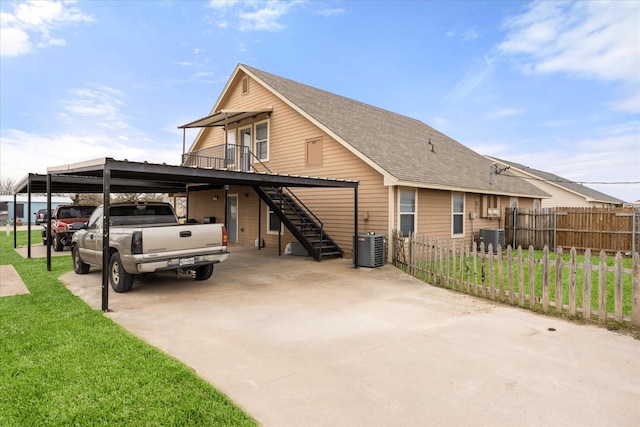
point(301, 222)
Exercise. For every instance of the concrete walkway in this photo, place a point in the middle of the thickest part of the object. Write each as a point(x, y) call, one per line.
point(10, 282)
point(295, 342)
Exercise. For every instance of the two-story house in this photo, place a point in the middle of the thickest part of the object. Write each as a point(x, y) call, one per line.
point(411, 177)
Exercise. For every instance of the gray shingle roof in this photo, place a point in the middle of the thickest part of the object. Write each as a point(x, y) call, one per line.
point(396, 143)
point(588, 193)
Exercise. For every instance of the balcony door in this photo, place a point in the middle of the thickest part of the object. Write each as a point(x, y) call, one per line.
point(245, 142)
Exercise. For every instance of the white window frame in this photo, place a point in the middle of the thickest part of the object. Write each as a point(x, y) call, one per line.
point(269, 230)
point(415, 210)
point(266, 141)
point(455, 214)
point(513, 202)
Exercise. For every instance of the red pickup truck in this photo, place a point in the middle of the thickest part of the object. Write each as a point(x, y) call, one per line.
point(62, 224)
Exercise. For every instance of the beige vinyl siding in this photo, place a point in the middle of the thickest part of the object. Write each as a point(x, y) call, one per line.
point(289, 133)
point(560, 197)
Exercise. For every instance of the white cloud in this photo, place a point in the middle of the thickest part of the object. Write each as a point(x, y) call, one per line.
point(222, 4)
point(503, 112)
point(589, 160)
point(38, 20)
point(98, 127)
point(556, 123)
point(330, 12)
point(629, 104)
point(584, 39)
point(467, 35)
point(103, 102)
point(24, 152)
point(264, 19)
point(14, 42)
point(252, 15)
point(472, 79)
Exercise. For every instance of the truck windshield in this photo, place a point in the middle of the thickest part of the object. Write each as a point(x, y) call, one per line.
point(142, 214)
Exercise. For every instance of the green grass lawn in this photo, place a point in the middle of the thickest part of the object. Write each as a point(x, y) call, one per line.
point(63, 363)
point(469, 269)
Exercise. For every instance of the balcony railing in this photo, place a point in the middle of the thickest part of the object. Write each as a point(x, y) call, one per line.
point(224, 157)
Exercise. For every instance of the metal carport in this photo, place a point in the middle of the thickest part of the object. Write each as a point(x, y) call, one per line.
point(107, 175)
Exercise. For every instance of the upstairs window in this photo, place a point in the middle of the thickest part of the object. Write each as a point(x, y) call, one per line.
point(262, 141)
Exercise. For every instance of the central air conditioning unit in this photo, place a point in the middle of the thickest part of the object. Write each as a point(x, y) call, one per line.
point(371, 250)
point(493, 236)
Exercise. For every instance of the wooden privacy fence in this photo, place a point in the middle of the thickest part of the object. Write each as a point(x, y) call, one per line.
point(611, 229)
point(597, 288)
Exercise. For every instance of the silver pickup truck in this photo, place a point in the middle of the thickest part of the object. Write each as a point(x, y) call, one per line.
point(146, 238)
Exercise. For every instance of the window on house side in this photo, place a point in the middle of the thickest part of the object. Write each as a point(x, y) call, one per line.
point(458, 213)
point(262, 141)
point(273, 223)
point(407, 211)
point(513, 202)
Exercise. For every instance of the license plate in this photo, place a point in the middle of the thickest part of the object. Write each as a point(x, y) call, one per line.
point(187, 261)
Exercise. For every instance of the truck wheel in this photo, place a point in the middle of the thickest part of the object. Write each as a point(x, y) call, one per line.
point(204, 272)
point(57, 243)
point(79, 266)
point(120, 280)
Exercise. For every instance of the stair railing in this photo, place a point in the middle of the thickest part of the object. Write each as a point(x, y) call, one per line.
point(306, 210)
point(241, 154)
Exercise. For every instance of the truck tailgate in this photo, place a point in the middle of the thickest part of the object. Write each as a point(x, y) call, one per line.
point(181, 237)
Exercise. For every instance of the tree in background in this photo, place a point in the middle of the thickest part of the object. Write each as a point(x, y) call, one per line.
point(6, 185)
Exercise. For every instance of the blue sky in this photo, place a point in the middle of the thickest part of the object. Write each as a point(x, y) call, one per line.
point(552, 85)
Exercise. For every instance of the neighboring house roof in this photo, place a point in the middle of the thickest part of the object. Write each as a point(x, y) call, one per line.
point(35, 199)
point(397, 146)
point(589, 194)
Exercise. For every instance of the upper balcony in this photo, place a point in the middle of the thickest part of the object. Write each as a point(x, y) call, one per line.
point(225, 157)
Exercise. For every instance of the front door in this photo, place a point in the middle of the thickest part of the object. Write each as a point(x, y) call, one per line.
point(232, 217)
point(245, 141)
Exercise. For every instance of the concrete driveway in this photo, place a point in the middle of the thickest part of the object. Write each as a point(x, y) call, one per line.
point(295, 342)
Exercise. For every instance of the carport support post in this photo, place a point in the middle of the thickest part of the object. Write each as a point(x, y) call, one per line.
point(48, 230)
point(15, 216)
point(29, 216)
point(106, 207)
point(260, 223)
point(355, 227)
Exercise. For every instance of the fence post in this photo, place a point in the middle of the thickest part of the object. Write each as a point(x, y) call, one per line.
point(510, 272)
point(586, 286)
point(559, 305)
point(492, 287)
point(500, 274)
point(618, 288)
point(602, 288)
point(520, 277)
point(532, 282)
point(545, 279)
point(572, 283)
point(635, 290)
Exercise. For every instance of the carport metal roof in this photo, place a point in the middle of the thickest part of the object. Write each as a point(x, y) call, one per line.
point(107, 175)
point(191, 177)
